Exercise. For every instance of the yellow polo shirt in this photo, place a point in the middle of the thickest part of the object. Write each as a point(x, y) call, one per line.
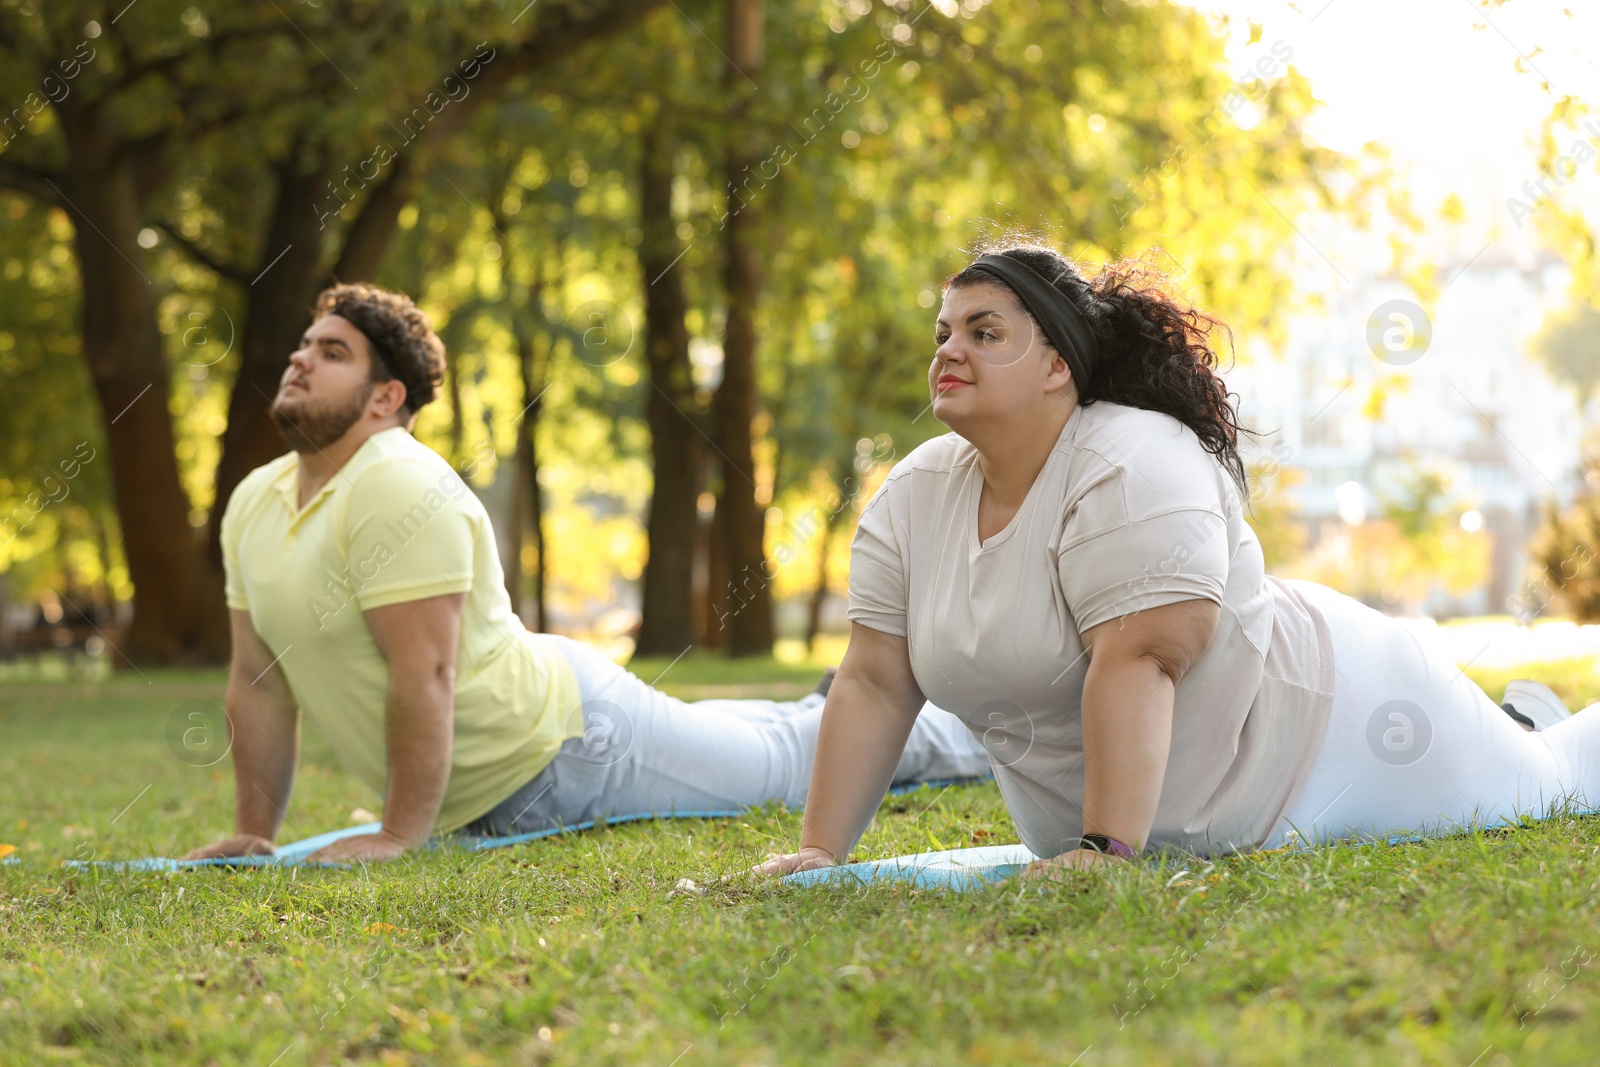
point(395, 524)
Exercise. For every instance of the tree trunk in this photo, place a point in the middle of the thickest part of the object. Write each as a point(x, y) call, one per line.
point(370, 233)
point(748, 600)
point(533, 508)
point(667, 623)
point(458, 428)
point(277, 311)
point(527, 499)
point(718, 604)
point(819, 595)
point(126, 356)
point(847, 483)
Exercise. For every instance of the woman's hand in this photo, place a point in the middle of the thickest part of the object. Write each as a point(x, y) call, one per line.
point(807, 859)
point(1079, 859)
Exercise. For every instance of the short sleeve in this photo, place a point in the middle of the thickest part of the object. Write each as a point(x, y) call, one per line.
point(228, 536)
point(878, 569)
point(410, 536)
point(1145, 537)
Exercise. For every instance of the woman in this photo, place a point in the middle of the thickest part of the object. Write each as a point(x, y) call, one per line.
point(1070, 573)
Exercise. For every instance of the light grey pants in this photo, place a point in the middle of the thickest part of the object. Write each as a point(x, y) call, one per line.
point(1414, 747)
point(646, 753)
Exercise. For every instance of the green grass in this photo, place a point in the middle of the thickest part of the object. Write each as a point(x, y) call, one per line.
point(1475, 950)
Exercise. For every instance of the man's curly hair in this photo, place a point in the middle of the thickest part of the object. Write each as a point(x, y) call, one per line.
point(404, 343)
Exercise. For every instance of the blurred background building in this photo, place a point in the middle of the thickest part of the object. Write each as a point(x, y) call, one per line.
point(1475, 410)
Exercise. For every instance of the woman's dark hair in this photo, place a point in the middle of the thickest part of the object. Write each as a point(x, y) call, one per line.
point(1154, 350)
point(403, 342)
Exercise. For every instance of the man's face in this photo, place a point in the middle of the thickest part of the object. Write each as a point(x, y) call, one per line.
point(327, 385)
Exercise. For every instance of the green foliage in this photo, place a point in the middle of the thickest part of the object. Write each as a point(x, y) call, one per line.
point(1568, 344)
point(1414, 546)
point(54, 488)
point(1566, 562)
point(898, 138)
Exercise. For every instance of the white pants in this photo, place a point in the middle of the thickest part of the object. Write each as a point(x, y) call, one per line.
point(646, 753)
point(1414, 747)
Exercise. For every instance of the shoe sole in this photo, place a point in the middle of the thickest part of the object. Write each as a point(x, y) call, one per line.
point(1537, 701)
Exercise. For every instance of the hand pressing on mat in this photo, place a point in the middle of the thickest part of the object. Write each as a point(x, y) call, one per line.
point(362, 848)
point(807, 859)
point(1079, 859)
point(237, 845)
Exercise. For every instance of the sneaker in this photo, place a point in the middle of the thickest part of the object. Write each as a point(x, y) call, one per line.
point(1533, 704)
point(827, 680)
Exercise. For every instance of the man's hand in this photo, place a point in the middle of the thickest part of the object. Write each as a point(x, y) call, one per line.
point(807, 859)
point(362, 848)
point(237, 845)
point(1079, 859)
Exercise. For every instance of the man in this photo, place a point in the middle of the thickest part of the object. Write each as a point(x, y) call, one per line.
point(363, 587)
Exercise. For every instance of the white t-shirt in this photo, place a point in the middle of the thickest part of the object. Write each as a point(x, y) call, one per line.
point(1129, 512)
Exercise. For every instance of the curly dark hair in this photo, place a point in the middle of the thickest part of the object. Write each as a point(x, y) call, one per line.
point(1155, 352)
point(403, 341)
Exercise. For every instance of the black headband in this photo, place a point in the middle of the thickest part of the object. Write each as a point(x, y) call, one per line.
point(1063, 324)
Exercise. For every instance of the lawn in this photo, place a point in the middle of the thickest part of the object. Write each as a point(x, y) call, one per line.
point(1467, 952)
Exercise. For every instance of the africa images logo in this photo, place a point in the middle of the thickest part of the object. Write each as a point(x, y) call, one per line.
point(1399, 732)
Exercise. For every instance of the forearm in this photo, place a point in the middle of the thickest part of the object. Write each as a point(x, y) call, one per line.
point(1127, 734)
point(863, 735)
point(265, 748)
point(419, 728)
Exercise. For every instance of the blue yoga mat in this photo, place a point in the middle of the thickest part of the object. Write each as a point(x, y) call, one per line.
point(954, 868)
point(972, 868)
point(297, 853)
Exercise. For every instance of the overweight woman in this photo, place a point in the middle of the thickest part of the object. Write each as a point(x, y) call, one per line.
point(1070, 573)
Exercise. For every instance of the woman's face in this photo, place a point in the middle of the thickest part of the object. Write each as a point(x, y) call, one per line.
point(992, 361)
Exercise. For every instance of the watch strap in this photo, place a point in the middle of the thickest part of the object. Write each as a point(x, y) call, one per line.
point(1110, 845)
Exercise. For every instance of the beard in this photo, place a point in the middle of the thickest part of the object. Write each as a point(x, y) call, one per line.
point(315, 426)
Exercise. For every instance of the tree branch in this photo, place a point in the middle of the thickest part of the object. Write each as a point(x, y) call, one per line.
point(368, 235)
point(555, 37)
point(35, 181)
point(200, 255)
point(210, 46)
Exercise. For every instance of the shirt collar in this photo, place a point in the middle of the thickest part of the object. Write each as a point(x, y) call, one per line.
point(287, 482)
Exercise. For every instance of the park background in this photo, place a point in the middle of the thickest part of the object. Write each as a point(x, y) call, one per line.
point(686, 273)
point(685, 256)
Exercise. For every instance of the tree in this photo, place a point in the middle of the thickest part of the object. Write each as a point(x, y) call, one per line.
point(105, 148)
point(1568, 344)
point(165, 79)
point(882, 136)
point(667, 596)
point(740, 516)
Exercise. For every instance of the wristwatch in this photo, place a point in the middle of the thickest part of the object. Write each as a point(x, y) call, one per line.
point(1110, 845)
